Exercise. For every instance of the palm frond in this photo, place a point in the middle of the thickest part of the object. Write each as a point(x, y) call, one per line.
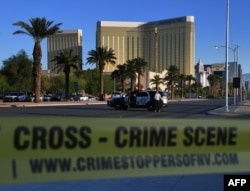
point(38, 29)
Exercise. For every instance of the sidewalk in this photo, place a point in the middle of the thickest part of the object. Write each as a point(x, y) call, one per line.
point(49, 103)
point(242, 108)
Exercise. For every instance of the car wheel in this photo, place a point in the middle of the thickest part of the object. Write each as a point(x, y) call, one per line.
point(117, 106)
point(150, 107)
point(125, 107)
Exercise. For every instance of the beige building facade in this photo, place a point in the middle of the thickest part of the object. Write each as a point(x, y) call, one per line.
point(160, 43)
point(65, 39)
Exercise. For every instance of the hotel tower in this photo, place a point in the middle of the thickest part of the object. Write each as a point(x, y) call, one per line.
point(160, 43)
point(65, 39)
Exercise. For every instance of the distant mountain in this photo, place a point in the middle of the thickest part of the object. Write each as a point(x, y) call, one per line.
point(246, 77)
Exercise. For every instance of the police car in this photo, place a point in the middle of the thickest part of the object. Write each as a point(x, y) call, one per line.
point(139, 99)
point(114, 95)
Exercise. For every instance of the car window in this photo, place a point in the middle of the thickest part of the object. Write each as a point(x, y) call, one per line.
point(142, 94)
point(13, 94)
point(163, 94)
point(116, 95)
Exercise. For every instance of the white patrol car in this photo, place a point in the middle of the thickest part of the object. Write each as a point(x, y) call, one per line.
point(140, 99)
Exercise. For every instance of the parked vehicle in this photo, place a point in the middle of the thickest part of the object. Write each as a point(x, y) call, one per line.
point(32, 98)
point(118, 103)
point(114, 95)
point(47, 97)
point(15, 96)
point(91, 98)
point(139, 99)
point(58, 97)
point(80, 97)
point(2, 95)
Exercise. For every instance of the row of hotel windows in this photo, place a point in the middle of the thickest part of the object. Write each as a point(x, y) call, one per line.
point(170, 48)
point(59, 43)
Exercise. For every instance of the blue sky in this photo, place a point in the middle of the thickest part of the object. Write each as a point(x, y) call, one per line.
point(210, 23)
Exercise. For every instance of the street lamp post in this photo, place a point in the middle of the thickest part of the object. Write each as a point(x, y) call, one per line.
point(235, 50)
point(226, 64)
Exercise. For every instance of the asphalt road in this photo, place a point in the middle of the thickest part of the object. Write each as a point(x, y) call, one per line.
point(175, 109)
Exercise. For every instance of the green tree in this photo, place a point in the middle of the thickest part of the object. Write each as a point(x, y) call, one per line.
point(121, 74)
point(190, 78)
point(101, 56)
point(198, 88)
point(140, 65)
point(108, 84)
point(65, 60)
point(172, 77)
point(215, 83)
point(39, 29)
point(17, 72)
point(78, 77)
point(92, 81)
point(182, 79)
point(46, 84)
point(131, 72)
point(157, 80)
point(4, 86)
point(58, 83)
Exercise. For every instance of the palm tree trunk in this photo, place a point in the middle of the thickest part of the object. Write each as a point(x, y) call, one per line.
point(123, 85)
point(157, 87)
point(139, 81)
point(67, 85)
point(189, 86)
point(132, 85)
point(101, 96)
point(37, 70)
point(172, 90)
point(182, 89)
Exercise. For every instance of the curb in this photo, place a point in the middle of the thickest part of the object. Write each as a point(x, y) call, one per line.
point(44, 104)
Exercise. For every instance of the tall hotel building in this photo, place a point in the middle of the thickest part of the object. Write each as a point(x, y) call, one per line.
point(65, 39)
point(160, 43)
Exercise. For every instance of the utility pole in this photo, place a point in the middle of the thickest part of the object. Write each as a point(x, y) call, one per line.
point(226, 63)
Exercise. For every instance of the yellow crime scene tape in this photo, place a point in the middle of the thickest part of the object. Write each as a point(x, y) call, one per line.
point(67, 148)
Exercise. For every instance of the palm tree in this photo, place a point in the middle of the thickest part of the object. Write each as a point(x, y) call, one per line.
point(172, 77)
point(157, 80)
point(131, 72)
point(121, 74)
point(101, 56)
point(182, 80)
point(190, 78)
point(198, 88)
point(65, 61)
point(214, 82)
point(39, 29)
point(140, 65)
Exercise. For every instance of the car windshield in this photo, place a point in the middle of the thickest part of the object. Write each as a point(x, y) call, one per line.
point(116, 94)
point(58, 94)
point(13, 94)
